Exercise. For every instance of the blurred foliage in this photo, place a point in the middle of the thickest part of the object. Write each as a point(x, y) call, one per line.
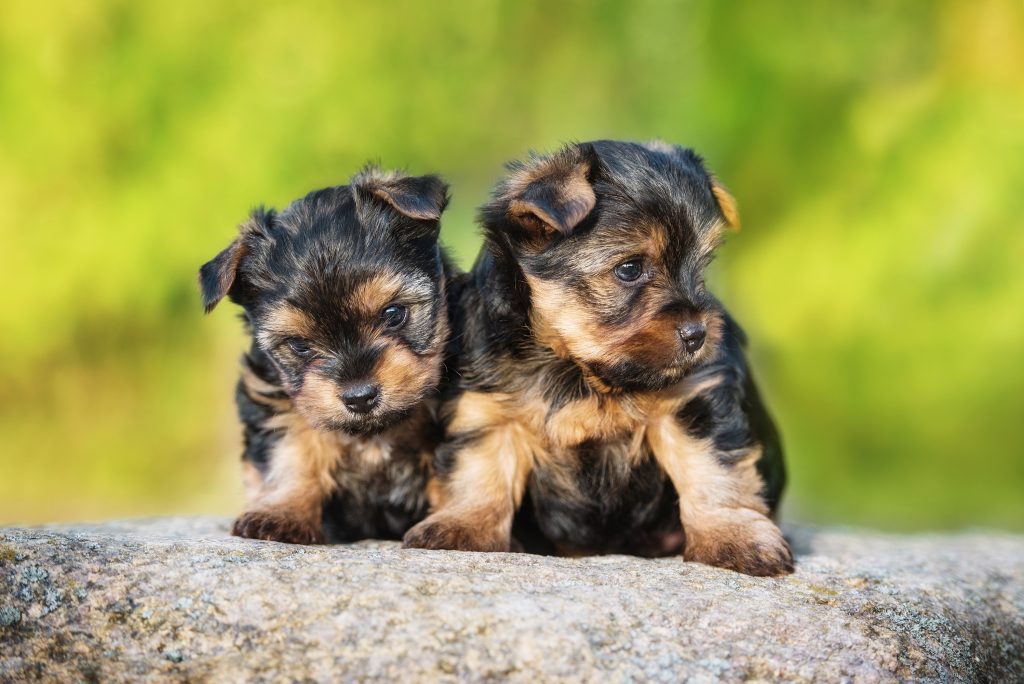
point(876, 149)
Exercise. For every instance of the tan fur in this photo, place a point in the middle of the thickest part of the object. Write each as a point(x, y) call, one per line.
point(494, 470)
point(723, 514)
point(318, 399)
point(260, 391)
point(596, 417)
point(283, 322)
point(478, 411)
point(373, 294)
point(476, 508)
point(437, 494)
point(482, 496)
point(510, 442)
point(285, 504)
point(561, 322)
point(252, 480)
point(302, 464)
point(657, 241)
point(727, 203)
point(404, 375)
point(567, 326)
point(288, 320)
point(609, 417)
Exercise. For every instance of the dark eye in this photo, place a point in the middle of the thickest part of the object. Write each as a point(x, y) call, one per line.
point(394, 316)
point(301, 348)
point(628, 271)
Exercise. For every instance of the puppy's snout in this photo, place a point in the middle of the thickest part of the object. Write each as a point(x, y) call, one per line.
point(360, 398)
point(692, 335)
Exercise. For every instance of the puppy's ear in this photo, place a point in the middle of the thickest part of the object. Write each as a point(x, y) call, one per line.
point(218, 275)
point(423, 198)
point(726, 204)
point(552, 195)
point(418, 197)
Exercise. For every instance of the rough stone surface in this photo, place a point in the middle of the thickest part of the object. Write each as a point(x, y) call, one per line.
point(176, 599)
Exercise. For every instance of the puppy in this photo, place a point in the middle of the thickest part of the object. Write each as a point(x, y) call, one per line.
point(599, 381)
point(344, 295)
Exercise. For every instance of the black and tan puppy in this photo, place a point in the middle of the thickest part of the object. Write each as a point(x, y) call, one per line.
point(344, 294)
point(599, 380)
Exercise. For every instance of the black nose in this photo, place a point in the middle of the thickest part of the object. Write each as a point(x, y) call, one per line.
point(361, 398)
point(692, 335)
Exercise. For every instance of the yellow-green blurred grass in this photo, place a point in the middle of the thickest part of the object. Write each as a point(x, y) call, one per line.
point(877, 152)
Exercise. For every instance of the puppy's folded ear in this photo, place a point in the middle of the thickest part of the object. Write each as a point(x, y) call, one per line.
point(552, 195)
point(217, 276)
point(422, 198)
point(418, 197)
point(726, 204)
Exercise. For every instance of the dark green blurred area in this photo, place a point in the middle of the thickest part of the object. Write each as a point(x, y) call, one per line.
point(876, 150)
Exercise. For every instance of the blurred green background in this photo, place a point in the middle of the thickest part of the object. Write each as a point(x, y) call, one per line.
point(876, 150)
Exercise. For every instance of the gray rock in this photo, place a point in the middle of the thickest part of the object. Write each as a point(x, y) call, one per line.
point(179, 599)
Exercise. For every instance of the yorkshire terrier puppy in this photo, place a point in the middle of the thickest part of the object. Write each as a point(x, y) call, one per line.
point(344, 295)
point(598, 380)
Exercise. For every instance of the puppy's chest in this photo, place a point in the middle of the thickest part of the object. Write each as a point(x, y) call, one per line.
point(380, 491)
point(596, 448)
point(597, 475)
point(600, 469)
point(378, 466)
point(605, 496)
point(618, 424)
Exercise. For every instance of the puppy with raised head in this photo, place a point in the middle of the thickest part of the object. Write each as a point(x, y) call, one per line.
point(599, 383)
point(344, 295)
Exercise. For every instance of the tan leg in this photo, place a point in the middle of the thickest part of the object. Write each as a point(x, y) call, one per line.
point(724, 517)
point(287, 505)
point(481, 497)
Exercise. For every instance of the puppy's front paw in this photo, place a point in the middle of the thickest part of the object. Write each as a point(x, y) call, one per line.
point(277, 526)
point(454, 534)
point(742, 540)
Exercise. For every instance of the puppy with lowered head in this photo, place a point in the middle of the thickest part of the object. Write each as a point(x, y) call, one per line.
point(600, 385)
point(344, 295)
